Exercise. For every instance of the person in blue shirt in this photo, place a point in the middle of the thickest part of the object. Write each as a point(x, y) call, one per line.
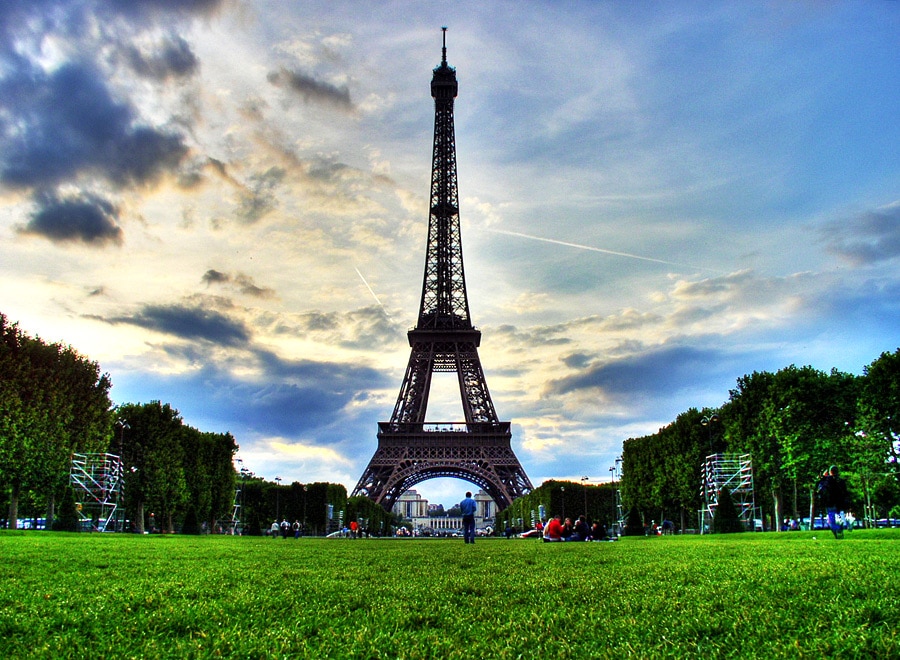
point(468, 507)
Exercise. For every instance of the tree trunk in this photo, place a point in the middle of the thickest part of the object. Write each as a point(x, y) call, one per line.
point(778, 500)
point(139, 514)
point(13, 517)
point(51, 512)
point(812, 508)
point(796, 512)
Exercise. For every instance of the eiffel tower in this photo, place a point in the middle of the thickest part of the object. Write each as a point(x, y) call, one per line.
point(444, 340)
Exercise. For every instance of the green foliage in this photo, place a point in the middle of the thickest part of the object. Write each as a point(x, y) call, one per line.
point(726, 519)
point(373, 518)
point(879, 417)
point(190, 525)
point(661, 471)
point(731, 596)
point(564, 498)
point(634, 525)
point(793, 423)
point(53, 402)
point(67, 520)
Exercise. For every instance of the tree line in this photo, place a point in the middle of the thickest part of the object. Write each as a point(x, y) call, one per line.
point(55, 403)
point(568, 499)
point(794, 424)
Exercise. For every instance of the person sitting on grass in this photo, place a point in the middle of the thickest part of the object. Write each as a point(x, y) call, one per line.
point(553, 530)
point(581, 531)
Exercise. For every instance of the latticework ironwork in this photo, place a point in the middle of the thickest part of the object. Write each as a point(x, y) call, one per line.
point(444, 340)
point(98, 484)
point(731, 471)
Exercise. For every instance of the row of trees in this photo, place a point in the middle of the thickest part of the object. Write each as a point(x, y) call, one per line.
point(177, 473)
point(568, 499)
point(55, 403)
point(319, 507)
point(794, 423)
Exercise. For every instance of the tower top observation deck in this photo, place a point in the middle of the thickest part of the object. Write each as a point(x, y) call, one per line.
point(443, 84)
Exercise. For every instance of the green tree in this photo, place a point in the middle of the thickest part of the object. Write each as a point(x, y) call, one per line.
point(53, 402)
point(726, 519)
point(876, 456)
point(793, 423)
point(634, 525)
point(68, 516)
point(154, 462)
point(209, 475)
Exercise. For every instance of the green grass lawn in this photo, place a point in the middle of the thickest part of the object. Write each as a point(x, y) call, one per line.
point(747, 595)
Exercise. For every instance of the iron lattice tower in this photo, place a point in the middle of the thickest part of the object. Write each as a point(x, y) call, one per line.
point(444, 340)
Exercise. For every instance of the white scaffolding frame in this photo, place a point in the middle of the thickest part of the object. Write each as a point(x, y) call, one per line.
point(731, 471)
point(97, 481)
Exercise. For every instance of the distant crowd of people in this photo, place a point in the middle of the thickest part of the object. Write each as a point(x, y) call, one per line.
point(284, 529)
point(558, 530)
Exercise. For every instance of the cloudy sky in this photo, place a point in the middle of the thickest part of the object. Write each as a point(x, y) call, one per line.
point(224, 203)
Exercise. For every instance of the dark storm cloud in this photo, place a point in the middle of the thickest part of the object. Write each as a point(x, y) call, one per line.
point(243, 283)
point(295, 399)
point(215, 277)
point(311, 89)
point(174, 60)
point(55, 126)
point(189, 323)
point(84, 218)
point(657, 373)
point(868, 238)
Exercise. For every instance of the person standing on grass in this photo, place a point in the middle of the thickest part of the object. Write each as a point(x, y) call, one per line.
point(275, 530)
point(832, 492)
point(468, 507)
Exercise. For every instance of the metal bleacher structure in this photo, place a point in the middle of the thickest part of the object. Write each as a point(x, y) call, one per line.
point(98, 485)
point(731, 471)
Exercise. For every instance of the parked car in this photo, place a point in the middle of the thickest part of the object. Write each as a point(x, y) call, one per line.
point(29, 523)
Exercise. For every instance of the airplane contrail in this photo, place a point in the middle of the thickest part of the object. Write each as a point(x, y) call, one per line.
point(372, 292)
point(602, 250)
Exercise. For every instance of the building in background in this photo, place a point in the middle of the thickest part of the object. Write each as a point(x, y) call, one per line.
point(414, 509)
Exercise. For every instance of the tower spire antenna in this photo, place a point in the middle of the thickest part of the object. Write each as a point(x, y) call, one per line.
point(444, 48)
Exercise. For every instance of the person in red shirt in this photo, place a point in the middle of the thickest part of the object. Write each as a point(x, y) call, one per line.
point(553, 530)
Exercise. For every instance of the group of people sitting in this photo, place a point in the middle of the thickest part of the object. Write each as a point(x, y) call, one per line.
point(556, 530)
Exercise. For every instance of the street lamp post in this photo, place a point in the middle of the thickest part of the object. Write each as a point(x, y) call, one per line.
point(304, 509)
point(121, 424)
point(708, 422)
point(244, 474)
point(277, 498)
point(562, 489)
point(584, 481)
point(615, 508)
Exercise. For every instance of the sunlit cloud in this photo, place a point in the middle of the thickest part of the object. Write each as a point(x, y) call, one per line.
point(227, 205)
